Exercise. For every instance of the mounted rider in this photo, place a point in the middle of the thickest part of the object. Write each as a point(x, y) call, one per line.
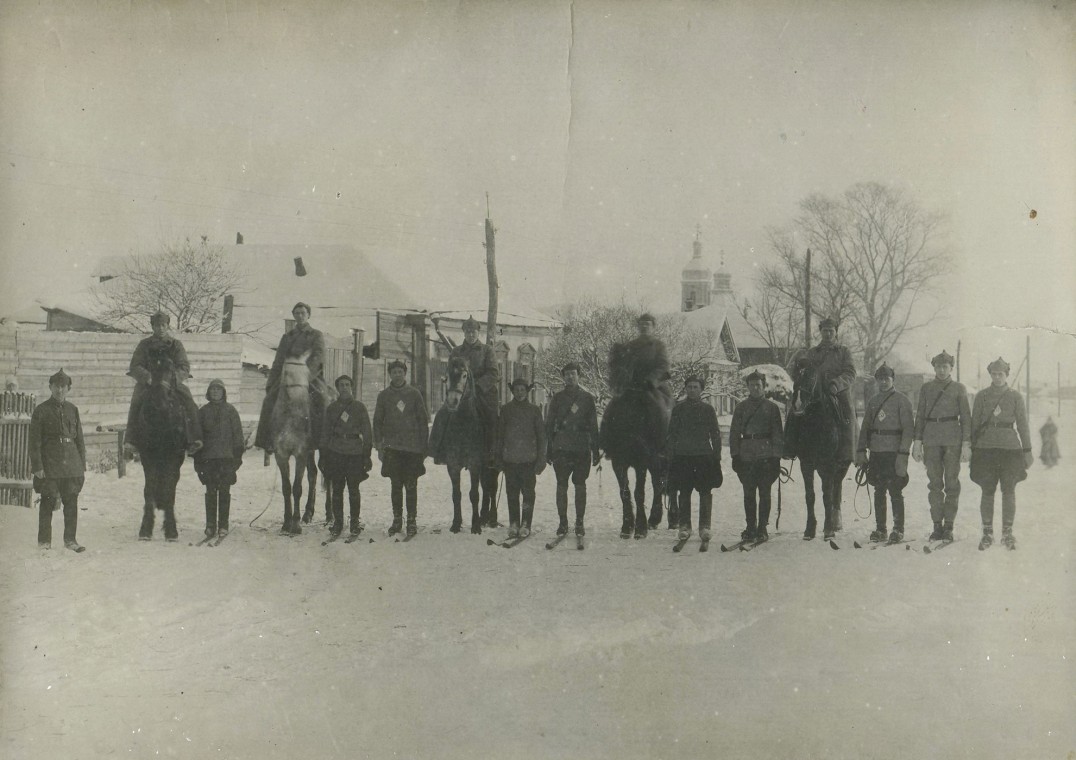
point(162, 350)
point(301, 339)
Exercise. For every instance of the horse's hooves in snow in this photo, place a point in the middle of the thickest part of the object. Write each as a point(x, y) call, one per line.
point(308, 515)
point(640, 534)
point(455, 527)
point(476, 529)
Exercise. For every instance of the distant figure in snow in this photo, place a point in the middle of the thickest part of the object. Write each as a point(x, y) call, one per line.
point(1049, 453)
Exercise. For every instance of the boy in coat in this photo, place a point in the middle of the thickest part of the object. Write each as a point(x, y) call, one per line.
point(694, 448)
point(58, 460)
point(520, 452)
point(220, 457)
point(887, 432)
point(346, 441)
point(756, 440)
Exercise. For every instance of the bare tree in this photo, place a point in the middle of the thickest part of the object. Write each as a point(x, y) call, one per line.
point(589, 331)
point(878, 256)
point(185, 280)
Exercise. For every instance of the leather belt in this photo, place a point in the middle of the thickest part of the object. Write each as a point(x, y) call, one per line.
point(1000, 425)
point(756, 437)
point(887, 432)
point(943, 419)
point(65, 440)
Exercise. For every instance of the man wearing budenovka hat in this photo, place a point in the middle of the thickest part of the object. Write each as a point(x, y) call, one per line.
point(520, 452)
point(834, 368)
point(482, 364)
point(1000, 454)
point(300, 339)
point(159, 347)
point(887, 430)
point(58, 460)
point(942, 440)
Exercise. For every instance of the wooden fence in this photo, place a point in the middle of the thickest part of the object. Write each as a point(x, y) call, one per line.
point(16, 478)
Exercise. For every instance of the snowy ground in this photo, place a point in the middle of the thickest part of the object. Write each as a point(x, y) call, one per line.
point(444, 647)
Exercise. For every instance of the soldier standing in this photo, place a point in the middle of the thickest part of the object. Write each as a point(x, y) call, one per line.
point(942, 440)
point(58, 460)
point(756, 440)
point(999, 454)
point(346, 442)
point(401, 436)
point(572, 442)
point(148, 355)
point(482, 365)
point(521, 452)
point(887, 431)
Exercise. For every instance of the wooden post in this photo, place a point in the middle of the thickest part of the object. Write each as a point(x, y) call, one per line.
point(420, 350)
point(1027, 373)
point(226, 320)
point(121, 462)
point(491, 276)
point(958, 361)
point(807, 300)
point(1059, 389)
point(358, 335)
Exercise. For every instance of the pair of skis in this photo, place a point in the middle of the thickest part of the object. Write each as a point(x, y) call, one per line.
point(213, 540)
point(704, 545)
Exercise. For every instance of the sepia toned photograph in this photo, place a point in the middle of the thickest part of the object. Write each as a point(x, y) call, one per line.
point(537, 379)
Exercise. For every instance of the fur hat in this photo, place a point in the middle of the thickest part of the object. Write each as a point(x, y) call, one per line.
point(943, 358)
point(570, 366)
point(302, 305)
point(60, 378)
point(160, 317)
point(829, 322)
point(520, 381)
point(216, 383)
point(885, 371)
point(998, 365)
point(396, 363)
point(471, 324)
point(695, 379)
point(646, 317)
point(756, 375)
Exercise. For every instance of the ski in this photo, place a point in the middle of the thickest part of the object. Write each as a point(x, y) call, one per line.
point(512, 542)
point(409, 536)
point(204, 541)
point(937, 546)
point(833, 545)
point(330, 539)
point(735, 546)
point(352, 538)
point(679, 545)
point(748, 546)
point(579, 543)
point(893, 543)
point(704, 545)
point(220, 537)
point(553, 544)
point(983, 545)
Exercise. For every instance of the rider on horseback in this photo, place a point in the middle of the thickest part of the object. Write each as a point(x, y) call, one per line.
point(158, 352)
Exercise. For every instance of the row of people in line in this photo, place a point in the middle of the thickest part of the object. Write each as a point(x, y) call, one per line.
point(942, 434)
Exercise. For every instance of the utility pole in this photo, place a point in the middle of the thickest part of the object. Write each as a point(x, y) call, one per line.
point(807, 300)
point(958, 361)
point(1027, 373)
point(491, 276)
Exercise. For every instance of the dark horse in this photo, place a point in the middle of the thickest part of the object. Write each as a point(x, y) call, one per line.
point(161, 437)
point(457, 441)
point(632, 435)
point(813, 434)
point(293, 435)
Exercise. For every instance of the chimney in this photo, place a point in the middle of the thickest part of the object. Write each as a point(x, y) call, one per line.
point(300, 270)
point(239, 238)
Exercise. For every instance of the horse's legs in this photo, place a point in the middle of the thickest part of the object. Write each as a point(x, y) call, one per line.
point(840, 469)
point(475, 476)
point(297, 495)
point(829, 528)
point(149, 491)
point(640, 501)
point(621, 473)
point(312, 482)
point(807, 471)
point(284, 465)
point(169, 478)
point(457, 500)
point(655, 504)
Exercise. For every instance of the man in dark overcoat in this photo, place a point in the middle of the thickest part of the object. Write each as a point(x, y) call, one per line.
point(482, 364)
point(150, 353)
point(300, 339)
point(58, 460)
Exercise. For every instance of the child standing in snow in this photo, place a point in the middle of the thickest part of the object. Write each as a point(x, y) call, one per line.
point(217, 461)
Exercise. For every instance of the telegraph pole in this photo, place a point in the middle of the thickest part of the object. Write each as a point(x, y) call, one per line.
point(491, 276)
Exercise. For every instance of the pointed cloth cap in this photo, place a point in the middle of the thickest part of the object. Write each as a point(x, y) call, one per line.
point(943, 358)
point(60, 378)
point(471, 324)
point(884, 371)
point(828, 322)
point(756, 375)
point(571, 366)
point(998, 365)
point(160, 317)
point(397, 363)
point(521, 381)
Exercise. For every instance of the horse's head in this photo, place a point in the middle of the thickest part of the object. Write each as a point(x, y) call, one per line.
point(459, 382)
point(295, 377)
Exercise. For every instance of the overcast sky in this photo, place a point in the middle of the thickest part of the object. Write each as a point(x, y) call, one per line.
point(604, 133)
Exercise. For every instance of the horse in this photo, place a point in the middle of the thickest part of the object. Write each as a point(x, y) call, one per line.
point(813, 434)
point(458, 441)
point(632, 435)
point(161, 437)
point(294, 436)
